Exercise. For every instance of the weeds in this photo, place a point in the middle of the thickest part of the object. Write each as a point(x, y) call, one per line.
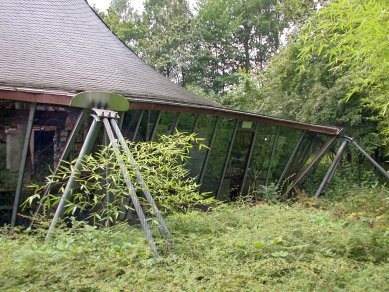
point(236, 247)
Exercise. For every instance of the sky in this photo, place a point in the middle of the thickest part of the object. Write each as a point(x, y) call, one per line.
point(102, 5)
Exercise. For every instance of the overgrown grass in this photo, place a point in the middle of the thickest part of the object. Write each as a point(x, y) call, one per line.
point(310, 245)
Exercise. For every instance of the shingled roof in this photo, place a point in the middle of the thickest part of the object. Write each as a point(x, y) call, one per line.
point(64, 45)
point(52, 49)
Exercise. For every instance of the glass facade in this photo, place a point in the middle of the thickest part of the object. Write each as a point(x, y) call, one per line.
point(167, 123)
point(204, 130)
point(241, 155)
point(217, 156)
point(259, 164)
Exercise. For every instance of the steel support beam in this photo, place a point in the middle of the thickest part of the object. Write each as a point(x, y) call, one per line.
point(376, 165)
point(196, 123)
point(208, 153)
point(175, 123)
point(273, 150)
point(162, 226)
point(152, 136)
point(321, 153)
point(131, 189)
point(252, 145)
point(331, 170)
point(85, 150)
point(22, 166)
point(109, 197)
point(227, 159)
point(291, 158)
point(121, 119)
point(137, 125)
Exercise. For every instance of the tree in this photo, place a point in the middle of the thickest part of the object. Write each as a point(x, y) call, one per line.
point(335, 72)
point(124, 22)
point(235, 37)
point(167, 38)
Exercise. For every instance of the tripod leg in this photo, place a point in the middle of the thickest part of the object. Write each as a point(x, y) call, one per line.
point(331, 170)
point(85, 150)
point(376, 165)
point(163, 228)
point(131, 189)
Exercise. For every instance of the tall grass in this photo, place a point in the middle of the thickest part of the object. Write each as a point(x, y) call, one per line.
point(308, 245)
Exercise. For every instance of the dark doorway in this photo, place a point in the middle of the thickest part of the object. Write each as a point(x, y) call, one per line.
point(43, 153)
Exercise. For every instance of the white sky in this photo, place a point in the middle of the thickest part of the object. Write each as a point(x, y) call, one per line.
point(102, 5)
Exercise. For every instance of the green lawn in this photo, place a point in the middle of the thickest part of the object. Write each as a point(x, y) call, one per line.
point(308, 245)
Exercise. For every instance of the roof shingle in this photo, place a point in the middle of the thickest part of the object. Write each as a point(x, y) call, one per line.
point(64, 45)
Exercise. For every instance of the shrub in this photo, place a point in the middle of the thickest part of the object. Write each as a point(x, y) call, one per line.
point(99, 197)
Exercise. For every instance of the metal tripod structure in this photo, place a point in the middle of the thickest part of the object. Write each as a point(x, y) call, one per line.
point(331, 170)
point(108, 118)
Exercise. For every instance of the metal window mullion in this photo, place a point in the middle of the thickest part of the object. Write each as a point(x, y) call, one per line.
point(136, 130)
point(273, 150)
point(70, 142)
point(175, 123)
point(227, 159)
point(290, 160)
point(208, 153)
point(155, 126)
point(121, 119)
point(196, 123)
point(22, 165)
point(252, 145)
point(147, 125)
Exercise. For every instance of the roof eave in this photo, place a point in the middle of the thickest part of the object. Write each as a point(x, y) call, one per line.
point(63, 98)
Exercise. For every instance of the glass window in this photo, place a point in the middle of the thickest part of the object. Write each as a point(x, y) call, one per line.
point(218, 155)
point(237, 163)
point(186, 122)
point(130, 123)
point(147, 125)
point(307, 152)
point(204, 130)
point(50, 131)
point(260, 159)
point(166, 123)
point(287, 140)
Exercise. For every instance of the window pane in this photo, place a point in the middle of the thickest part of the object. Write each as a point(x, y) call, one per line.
point(147, 125)
point(186, 122)
point(287, 140)
point(306, 153)
point(218, 156)
point(130, 122)
point(204, 130)
point(233, 178)
point(166, 124)
point(259, 163)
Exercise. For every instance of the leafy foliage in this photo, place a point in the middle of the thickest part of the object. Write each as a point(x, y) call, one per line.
point(100, 197)
point(310, 245)
point(334, 72)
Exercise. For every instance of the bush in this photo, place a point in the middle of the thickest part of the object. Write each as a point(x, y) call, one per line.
point(100, 197)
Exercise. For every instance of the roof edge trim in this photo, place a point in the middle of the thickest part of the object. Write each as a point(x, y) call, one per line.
point(62, 98)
